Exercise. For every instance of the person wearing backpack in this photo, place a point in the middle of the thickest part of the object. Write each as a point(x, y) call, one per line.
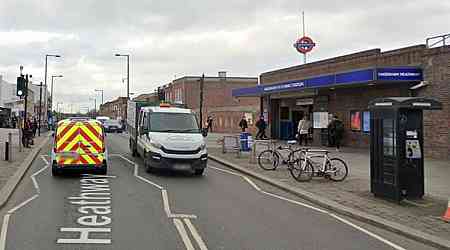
point(337, 131)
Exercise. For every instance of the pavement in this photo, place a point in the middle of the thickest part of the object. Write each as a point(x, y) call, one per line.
point(18, 154)
point(354, 193)
point(132, 209)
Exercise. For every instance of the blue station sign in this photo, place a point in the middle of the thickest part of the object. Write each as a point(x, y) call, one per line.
point(372, 75)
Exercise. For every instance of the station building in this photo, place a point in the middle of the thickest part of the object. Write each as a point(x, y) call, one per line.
point(344, 85)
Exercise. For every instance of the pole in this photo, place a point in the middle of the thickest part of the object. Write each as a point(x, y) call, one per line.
point(51, 96)
point(26, 98)
point(40, 109)
point(128, 77)
point(303, 21)
point(45, 92)
point(102, 96)
point(201, 100)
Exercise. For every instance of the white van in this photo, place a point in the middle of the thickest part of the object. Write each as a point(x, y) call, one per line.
point(170, 138)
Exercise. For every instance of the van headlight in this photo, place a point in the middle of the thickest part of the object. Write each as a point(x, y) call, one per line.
point(203, 146)
point(155, 144)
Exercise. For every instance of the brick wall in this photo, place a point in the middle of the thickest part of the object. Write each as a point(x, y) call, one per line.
point(217, 100)
point(436, 65)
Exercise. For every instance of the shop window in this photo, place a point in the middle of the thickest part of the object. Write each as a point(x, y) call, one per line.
point(355, 120)
point(366, 121)
point(284, 113)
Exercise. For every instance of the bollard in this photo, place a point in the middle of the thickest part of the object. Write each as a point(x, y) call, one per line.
point(9, 146)
point(6, 151)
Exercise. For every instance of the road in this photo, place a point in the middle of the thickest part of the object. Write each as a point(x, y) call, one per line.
point(220, 210)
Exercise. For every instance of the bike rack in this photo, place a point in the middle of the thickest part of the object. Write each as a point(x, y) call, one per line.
point(270, 144)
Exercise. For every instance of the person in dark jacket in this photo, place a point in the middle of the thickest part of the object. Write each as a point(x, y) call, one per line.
point(261, 125)
point(336, 129)
point(243, 124)
point(34, 126)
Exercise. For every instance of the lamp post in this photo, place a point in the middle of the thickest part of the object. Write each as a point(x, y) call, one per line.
point(100, 90)
point(95, 105)
point(59, 110)
point(45, 84)
point(128, 73)
point(51, 92)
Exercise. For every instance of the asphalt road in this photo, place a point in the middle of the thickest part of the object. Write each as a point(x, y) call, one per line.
point(137, 210)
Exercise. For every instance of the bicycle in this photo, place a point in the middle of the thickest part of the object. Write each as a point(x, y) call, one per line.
point(334, 169)
point(270, 159)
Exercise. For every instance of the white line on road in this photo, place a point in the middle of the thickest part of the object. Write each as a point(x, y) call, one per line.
point(196, 235)
point(11, 211)
point(40, 171)
point(4, 231)
point(45, 160)
point(149, 182)
point(397, 247)
point(367, 232)
point(166, 206)
point(184, 236)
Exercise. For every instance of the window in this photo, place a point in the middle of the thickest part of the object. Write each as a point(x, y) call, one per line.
point(389, 138)
point(355, 120)
point(174, 123)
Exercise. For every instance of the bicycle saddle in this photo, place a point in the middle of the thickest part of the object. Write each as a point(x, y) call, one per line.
point(292, 142)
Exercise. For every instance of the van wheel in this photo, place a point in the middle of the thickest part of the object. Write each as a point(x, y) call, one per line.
point(147, 166)
point(199, 172)
point(56, 172)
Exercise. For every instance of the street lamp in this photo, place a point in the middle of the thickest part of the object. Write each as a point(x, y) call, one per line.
point(45, 83)
point(128, 74)
point(95, 104)
point(51, 92)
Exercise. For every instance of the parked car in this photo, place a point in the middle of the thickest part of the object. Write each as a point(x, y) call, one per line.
point(113, 126)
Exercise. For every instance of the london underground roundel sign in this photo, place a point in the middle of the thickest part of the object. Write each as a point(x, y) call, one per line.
point(304, 44)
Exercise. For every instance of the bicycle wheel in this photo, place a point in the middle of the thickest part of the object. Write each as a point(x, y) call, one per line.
point(296, 155)
point(302, 170)
point(268, 160)
point(337, 169)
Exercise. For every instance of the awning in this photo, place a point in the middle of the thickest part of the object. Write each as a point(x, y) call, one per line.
point(361, 76)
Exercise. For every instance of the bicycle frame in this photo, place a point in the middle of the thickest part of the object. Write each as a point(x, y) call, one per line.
point(309, 154)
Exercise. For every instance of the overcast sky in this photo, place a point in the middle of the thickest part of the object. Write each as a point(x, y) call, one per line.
point(168, 39)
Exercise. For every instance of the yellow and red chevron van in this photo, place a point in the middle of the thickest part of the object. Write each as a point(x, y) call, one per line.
point(79, 144)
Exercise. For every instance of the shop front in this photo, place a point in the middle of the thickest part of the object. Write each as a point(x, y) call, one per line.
point(319, 98)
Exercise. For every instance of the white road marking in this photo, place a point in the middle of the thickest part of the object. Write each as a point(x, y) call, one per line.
point(149, 182)
point(11, 211)
point(45, 160)
point(166, 206)
point(165, 202)
point(196, 235)
point(184, 236)
point(4, 231)
point(99, 176)
point(367, 232)
point(36, 186)
point(39, 171)
point(397, 247)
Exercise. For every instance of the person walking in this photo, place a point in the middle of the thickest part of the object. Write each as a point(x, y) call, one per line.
point(261, 125)
point(34, 126)
point(209, 123)
point(337, 132)
point(243, 124)
point(303, 130)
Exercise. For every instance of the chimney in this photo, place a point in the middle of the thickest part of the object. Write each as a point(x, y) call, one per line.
point(222, 75)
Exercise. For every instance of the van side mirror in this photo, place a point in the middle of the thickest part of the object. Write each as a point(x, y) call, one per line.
point(205, 132)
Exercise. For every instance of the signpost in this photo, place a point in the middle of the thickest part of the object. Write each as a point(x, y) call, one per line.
point(304, 44)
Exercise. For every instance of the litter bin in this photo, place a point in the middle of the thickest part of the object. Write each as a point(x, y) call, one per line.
point(244, 141)
point(396, 146)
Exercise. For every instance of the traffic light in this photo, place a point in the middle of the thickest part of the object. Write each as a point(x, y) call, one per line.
point(21, 86)
point(161, 94)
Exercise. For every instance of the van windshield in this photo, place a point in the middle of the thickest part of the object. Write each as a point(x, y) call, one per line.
point(174, 123)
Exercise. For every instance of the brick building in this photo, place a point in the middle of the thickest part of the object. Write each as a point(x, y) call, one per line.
point(217, 99)
point(151, 97)
point(115, 109)
point(344, 86)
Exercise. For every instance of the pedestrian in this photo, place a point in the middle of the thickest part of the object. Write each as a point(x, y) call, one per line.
point(336, 132)
point(243, 124)
point(34, 126)
point(261, 125)
point(209, 123)
point(303, 130)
